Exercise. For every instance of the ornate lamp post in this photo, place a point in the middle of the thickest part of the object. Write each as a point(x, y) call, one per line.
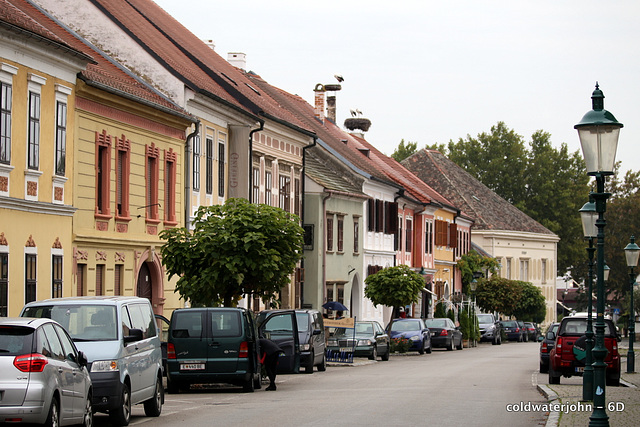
point(598, 132)
point(631, 251)
point(589, 215)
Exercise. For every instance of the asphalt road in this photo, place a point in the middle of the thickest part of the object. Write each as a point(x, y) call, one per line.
point(470, 387)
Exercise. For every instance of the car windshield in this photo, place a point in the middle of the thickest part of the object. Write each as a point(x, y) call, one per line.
point(15, 340)
point(485, 318)
point(436, 323)
point(86, 322)
point(406, 325)
point(509, 323)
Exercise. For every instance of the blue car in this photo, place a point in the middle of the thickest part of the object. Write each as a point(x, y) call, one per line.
point(414, 330)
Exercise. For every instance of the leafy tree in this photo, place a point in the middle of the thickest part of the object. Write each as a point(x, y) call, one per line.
point(235, 249)
point(531, 305)
point(440, 311)
point(403, 151)
point(394, 287)
point(511, 298)
point(472, 262)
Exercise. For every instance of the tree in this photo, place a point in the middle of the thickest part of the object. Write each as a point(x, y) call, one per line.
point(394, 287)
point(473, 262)
point(531, 305)
point(403, 151)
point(235, 249)
point(511, 298)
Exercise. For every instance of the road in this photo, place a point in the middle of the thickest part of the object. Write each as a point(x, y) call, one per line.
point(469, 387)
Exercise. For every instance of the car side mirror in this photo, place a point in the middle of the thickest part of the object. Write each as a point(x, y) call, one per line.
point(540, 338)
point(134, 335)
point(82, 359)
point(551, 335)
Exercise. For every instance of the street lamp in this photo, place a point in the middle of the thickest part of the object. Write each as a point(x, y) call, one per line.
point(631, 251)
point(598, 132)
point(473, 285)
point(588, 215)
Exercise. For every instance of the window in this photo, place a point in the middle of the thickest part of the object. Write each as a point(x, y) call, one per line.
point(255, 184)
point(442, 231)
point(544, 271)
point(5, 123)
point(30, 277)
point(409, 235)
point(99, 279)
point(428, 237)
point(81, 275)
point(285, 193)
point(209, 165)
point(56, 279)
point(340, 233)
point(170, 187)
point(356, 235)
point(508, 268)
point(196, 163)
point(524, 270)
point(34, 131)
point(103, 166)
point(296, 197)
point(329, 233)
point(221, 163)
point(4, 283)
point(117, 279)
point(123, 155)
point(61, 137)
point(267, 188)
point(153, 153)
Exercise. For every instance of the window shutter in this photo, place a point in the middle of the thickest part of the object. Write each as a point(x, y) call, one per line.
point(453, 235)
point(371, 214)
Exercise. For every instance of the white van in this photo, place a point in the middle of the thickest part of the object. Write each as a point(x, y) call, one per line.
point(119, 337)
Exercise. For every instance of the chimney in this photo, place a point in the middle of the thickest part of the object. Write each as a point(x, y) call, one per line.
point(318, 109)
point(210, 43)
point(331, 108)
point(237, 59)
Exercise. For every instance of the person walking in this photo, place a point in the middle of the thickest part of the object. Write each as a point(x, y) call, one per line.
point(270, 353)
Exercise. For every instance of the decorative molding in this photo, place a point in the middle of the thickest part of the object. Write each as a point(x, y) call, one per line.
point(32, 188)
point(101, 255)
point(152, 230)
point(80, 254)
point(122, 227)
point(57, 244)
point(30, 242)
point(58, 194)
point(3, 240)
point(102, 226)
point(120, 256)
point(4, 184)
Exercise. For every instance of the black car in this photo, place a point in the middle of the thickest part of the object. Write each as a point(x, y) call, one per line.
point(512, 329)
point(444, 333)
point(546, 346)
point(523, 329)
point(532, 331)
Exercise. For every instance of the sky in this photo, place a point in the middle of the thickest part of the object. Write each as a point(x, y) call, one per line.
point(433, 71)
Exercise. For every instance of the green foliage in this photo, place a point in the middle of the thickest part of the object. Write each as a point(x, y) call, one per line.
point(403, 151)
point(451, 315)
point(511, 298)
point(399, 345)
point(464, 324)
point(394, 286)
point(235, 249)
point(440, 311)
point(471, 262)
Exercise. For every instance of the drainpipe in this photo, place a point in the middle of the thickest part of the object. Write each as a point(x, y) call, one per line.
point(251, 159)
point(324, 249)
point(187, 176)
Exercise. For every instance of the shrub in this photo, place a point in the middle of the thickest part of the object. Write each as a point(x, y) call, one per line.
point(400, 345)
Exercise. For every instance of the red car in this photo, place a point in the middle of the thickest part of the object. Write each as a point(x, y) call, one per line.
point(568, 356)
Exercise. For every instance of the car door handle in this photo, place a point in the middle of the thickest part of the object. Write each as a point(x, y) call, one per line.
point(214, 344)
point(60, 370)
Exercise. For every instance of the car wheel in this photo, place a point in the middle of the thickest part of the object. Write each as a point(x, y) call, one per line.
point(494, 341)
point(122, 416)
point(153, 406)
point(87, 419)
point(553, 379)
point(53, 419)
point(428, 350)
point(385, 356)
point(323, 365)
point(421, 350)
point(460, 346)
point(543, 368)
point(374, 353)
point(309, 368)
point(450, 345)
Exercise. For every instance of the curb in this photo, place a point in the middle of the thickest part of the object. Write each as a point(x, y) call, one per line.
point(554, 417)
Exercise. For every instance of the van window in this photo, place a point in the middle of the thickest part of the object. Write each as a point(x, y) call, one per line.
point(15, 340)
point(303, 322)
point(83, 322)
point(142, 319)
point(225, 324)
point(281, 324)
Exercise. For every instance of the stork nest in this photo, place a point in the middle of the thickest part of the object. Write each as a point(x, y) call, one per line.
point(357, 123)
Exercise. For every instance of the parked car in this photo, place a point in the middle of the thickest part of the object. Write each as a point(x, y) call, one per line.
point(414, 330)
point(43, 377)
point(546, 346)
point(512, 330)
point(162, 323)
point(444, 333)
point(213, 345)
point(525, 336)
point(568, 356)
point(532, 331)
point(367, 339)
point(490, 328)
point(311, 335)
point(120, 339)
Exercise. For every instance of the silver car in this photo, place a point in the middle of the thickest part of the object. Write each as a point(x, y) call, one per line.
point(43, 376)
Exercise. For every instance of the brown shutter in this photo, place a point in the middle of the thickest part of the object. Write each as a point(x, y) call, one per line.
point(371, 214)
point(453, 235)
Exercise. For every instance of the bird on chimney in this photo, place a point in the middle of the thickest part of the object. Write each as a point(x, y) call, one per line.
point(358, 112)
point(339, 78)
point(353, 113)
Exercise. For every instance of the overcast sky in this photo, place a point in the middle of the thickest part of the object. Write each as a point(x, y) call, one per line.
point(432, 71)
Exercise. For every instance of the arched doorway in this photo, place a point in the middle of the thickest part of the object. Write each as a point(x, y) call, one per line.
point(144, 288)
point(150, 281)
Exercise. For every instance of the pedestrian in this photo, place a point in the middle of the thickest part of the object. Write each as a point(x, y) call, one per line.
point(270, 353)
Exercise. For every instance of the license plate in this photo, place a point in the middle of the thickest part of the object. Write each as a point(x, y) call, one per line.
point(346, 349)
point(433, 334)
point(579, 368)
point(191, 366)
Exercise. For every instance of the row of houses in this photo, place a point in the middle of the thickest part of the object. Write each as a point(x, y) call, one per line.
point(117, 123)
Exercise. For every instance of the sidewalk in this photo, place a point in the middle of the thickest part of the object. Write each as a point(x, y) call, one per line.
point(623, 402)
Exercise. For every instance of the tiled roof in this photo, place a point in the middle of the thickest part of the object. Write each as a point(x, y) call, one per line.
point(190, 59)
point(328, 173)
point(101, 70)
point(488, 210)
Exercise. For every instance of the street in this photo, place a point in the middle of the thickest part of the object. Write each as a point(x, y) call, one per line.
point(468, 387)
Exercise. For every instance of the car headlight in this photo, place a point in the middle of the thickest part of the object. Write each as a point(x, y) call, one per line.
point(104, 366)
point(415, 338)
point(364, 342)
point(305, 347)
